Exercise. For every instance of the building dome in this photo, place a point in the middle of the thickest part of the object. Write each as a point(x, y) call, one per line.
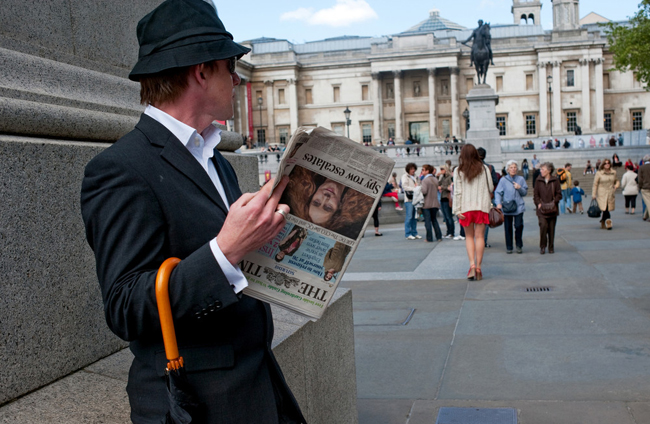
point(434, 23)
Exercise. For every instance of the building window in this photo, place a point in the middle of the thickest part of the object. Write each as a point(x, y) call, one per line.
point(531, 124)
point(444, 87)
point(364, 92)
point(416, 89)
point(606, 82)
point(570, 80)
point(390, 90)
point(445, 127)
point(337, 94)
point(608, 122)
point(529, 82)
point(366, 131)
point(284, 135)
point(261, 136)
point(281, 99)
point(308, 99)
point(571, 121)
point(501, 124)
point(469, 83)
point(339, 129)
point(637, 120)
point(419, 132)
point(391, 130)
point(499, 83)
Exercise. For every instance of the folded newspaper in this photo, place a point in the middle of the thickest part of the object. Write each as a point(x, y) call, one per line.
point(334, 187)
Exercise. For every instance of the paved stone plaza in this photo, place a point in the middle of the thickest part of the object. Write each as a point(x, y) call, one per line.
point(577, 354)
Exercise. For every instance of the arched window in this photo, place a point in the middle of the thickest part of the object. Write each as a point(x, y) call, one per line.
point(523, 20)
point(531, 18)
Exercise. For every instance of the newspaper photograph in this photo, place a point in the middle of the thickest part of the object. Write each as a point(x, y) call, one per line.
point(334, 187)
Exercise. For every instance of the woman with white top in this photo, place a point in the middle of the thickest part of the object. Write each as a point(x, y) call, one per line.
point(472, 203)
point(409, 182)
point(630, 188)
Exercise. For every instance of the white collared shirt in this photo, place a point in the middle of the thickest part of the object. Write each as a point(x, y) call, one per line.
point(202, 146)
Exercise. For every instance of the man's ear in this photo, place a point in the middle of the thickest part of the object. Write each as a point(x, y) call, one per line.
point(198, 75)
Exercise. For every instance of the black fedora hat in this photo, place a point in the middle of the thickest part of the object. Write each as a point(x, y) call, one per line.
point(181, 33)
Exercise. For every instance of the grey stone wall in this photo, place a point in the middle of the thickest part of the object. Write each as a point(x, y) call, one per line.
point(51, 313)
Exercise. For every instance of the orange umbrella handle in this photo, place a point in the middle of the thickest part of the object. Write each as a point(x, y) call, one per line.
point(165, 313)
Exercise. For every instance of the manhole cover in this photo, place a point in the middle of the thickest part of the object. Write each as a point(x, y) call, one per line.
point(477, 416)
point(538, 289)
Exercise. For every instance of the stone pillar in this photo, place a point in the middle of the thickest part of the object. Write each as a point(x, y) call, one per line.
point(557, 98)
point(543, 100)
point(455, 115)
point(433, 121)
point(399, 134)
point(293, 104)
point(377, 107)
point(270, 112)
point(586, 97)
point(482, 102)
point(600, 105)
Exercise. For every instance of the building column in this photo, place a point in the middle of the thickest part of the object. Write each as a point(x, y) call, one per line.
point(586, 97)
point(600, 105)
point(557, 98)
point(377, 107)
point(543, 100)
point(293, 104)
point(270, 112)
point(399, 134)
point(455, 115)
point(433, 121)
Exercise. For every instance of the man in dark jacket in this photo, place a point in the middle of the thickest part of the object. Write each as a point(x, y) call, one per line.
point(644, 186)
point(163, 190)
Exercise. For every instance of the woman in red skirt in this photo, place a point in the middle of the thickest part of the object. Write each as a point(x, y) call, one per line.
point(472, 201)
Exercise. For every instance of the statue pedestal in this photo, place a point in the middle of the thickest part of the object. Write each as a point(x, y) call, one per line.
point(483, 133)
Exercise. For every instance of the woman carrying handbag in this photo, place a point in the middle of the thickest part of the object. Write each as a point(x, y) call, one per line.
point(547, 196)
point(509, 198)
point(472, 203)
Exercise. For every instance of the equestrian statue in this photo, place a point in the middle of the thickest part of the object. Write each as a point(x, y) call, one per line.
point(481, 55)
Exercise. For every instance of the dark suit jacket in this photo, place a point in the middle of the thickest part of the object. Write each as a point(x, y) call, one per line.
point(145, 199)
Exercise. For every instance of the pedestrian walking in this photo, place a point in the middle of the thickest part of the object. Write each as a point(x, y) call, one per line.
point(431, 203)
point(375, 219)
point(536, 174)
point(409, 182)
point(564, 175)
point(577, 193)
point(472, 188)
point(605, 185)
point(547, 196)
point(444, 186)
point(644, 186)
point(630, 189)
point(509, 197)
point(524, 168)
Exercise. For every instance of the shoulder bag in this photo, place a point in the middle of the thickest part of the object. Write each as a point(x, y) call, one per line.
point(495, 215)
point(511, 205)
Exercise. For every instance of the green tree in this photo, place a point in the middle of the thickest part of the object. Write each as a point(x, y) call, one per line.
point(630, 44)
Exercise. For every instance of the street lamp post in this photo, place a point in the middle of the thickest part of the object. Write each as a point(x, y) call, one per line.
point(259, 131)
point(347, 113)
point(549, 79)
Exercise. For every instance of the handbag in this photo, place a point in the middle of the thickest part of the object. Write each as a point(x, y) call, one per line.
point(594, 210)
point(549, 208)
point(511, 205)
point(495, 216)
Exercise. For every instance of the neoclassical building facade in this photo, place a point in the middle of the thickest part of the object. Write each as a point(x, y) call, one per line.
point(414, 84)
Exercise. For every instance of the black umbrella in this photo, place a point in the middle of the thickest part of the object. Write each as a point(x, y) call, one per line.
point(182, 400)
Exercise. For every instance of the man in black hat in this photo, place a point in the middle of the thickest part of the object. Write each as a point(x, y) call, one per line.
point(163, 190)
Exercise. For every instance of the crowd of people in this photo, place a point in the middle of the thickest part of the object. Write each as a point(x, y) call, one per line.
point(612, 141)
point(470, 190)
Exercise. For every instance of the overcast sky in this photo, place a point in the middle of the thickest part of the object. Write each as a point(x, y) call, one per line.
point(299, 20)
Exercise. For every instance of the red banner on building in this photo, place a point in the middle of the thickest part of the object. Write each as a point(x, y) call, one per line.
point(249, 96)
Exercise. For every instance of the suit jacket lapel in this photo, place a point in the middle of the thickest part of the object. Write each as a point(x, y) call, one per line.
point(229, 186)
point(180, 158)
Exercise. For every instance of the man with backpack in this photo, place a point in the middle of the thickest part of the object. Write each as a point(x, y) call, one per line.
point(564, 175)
